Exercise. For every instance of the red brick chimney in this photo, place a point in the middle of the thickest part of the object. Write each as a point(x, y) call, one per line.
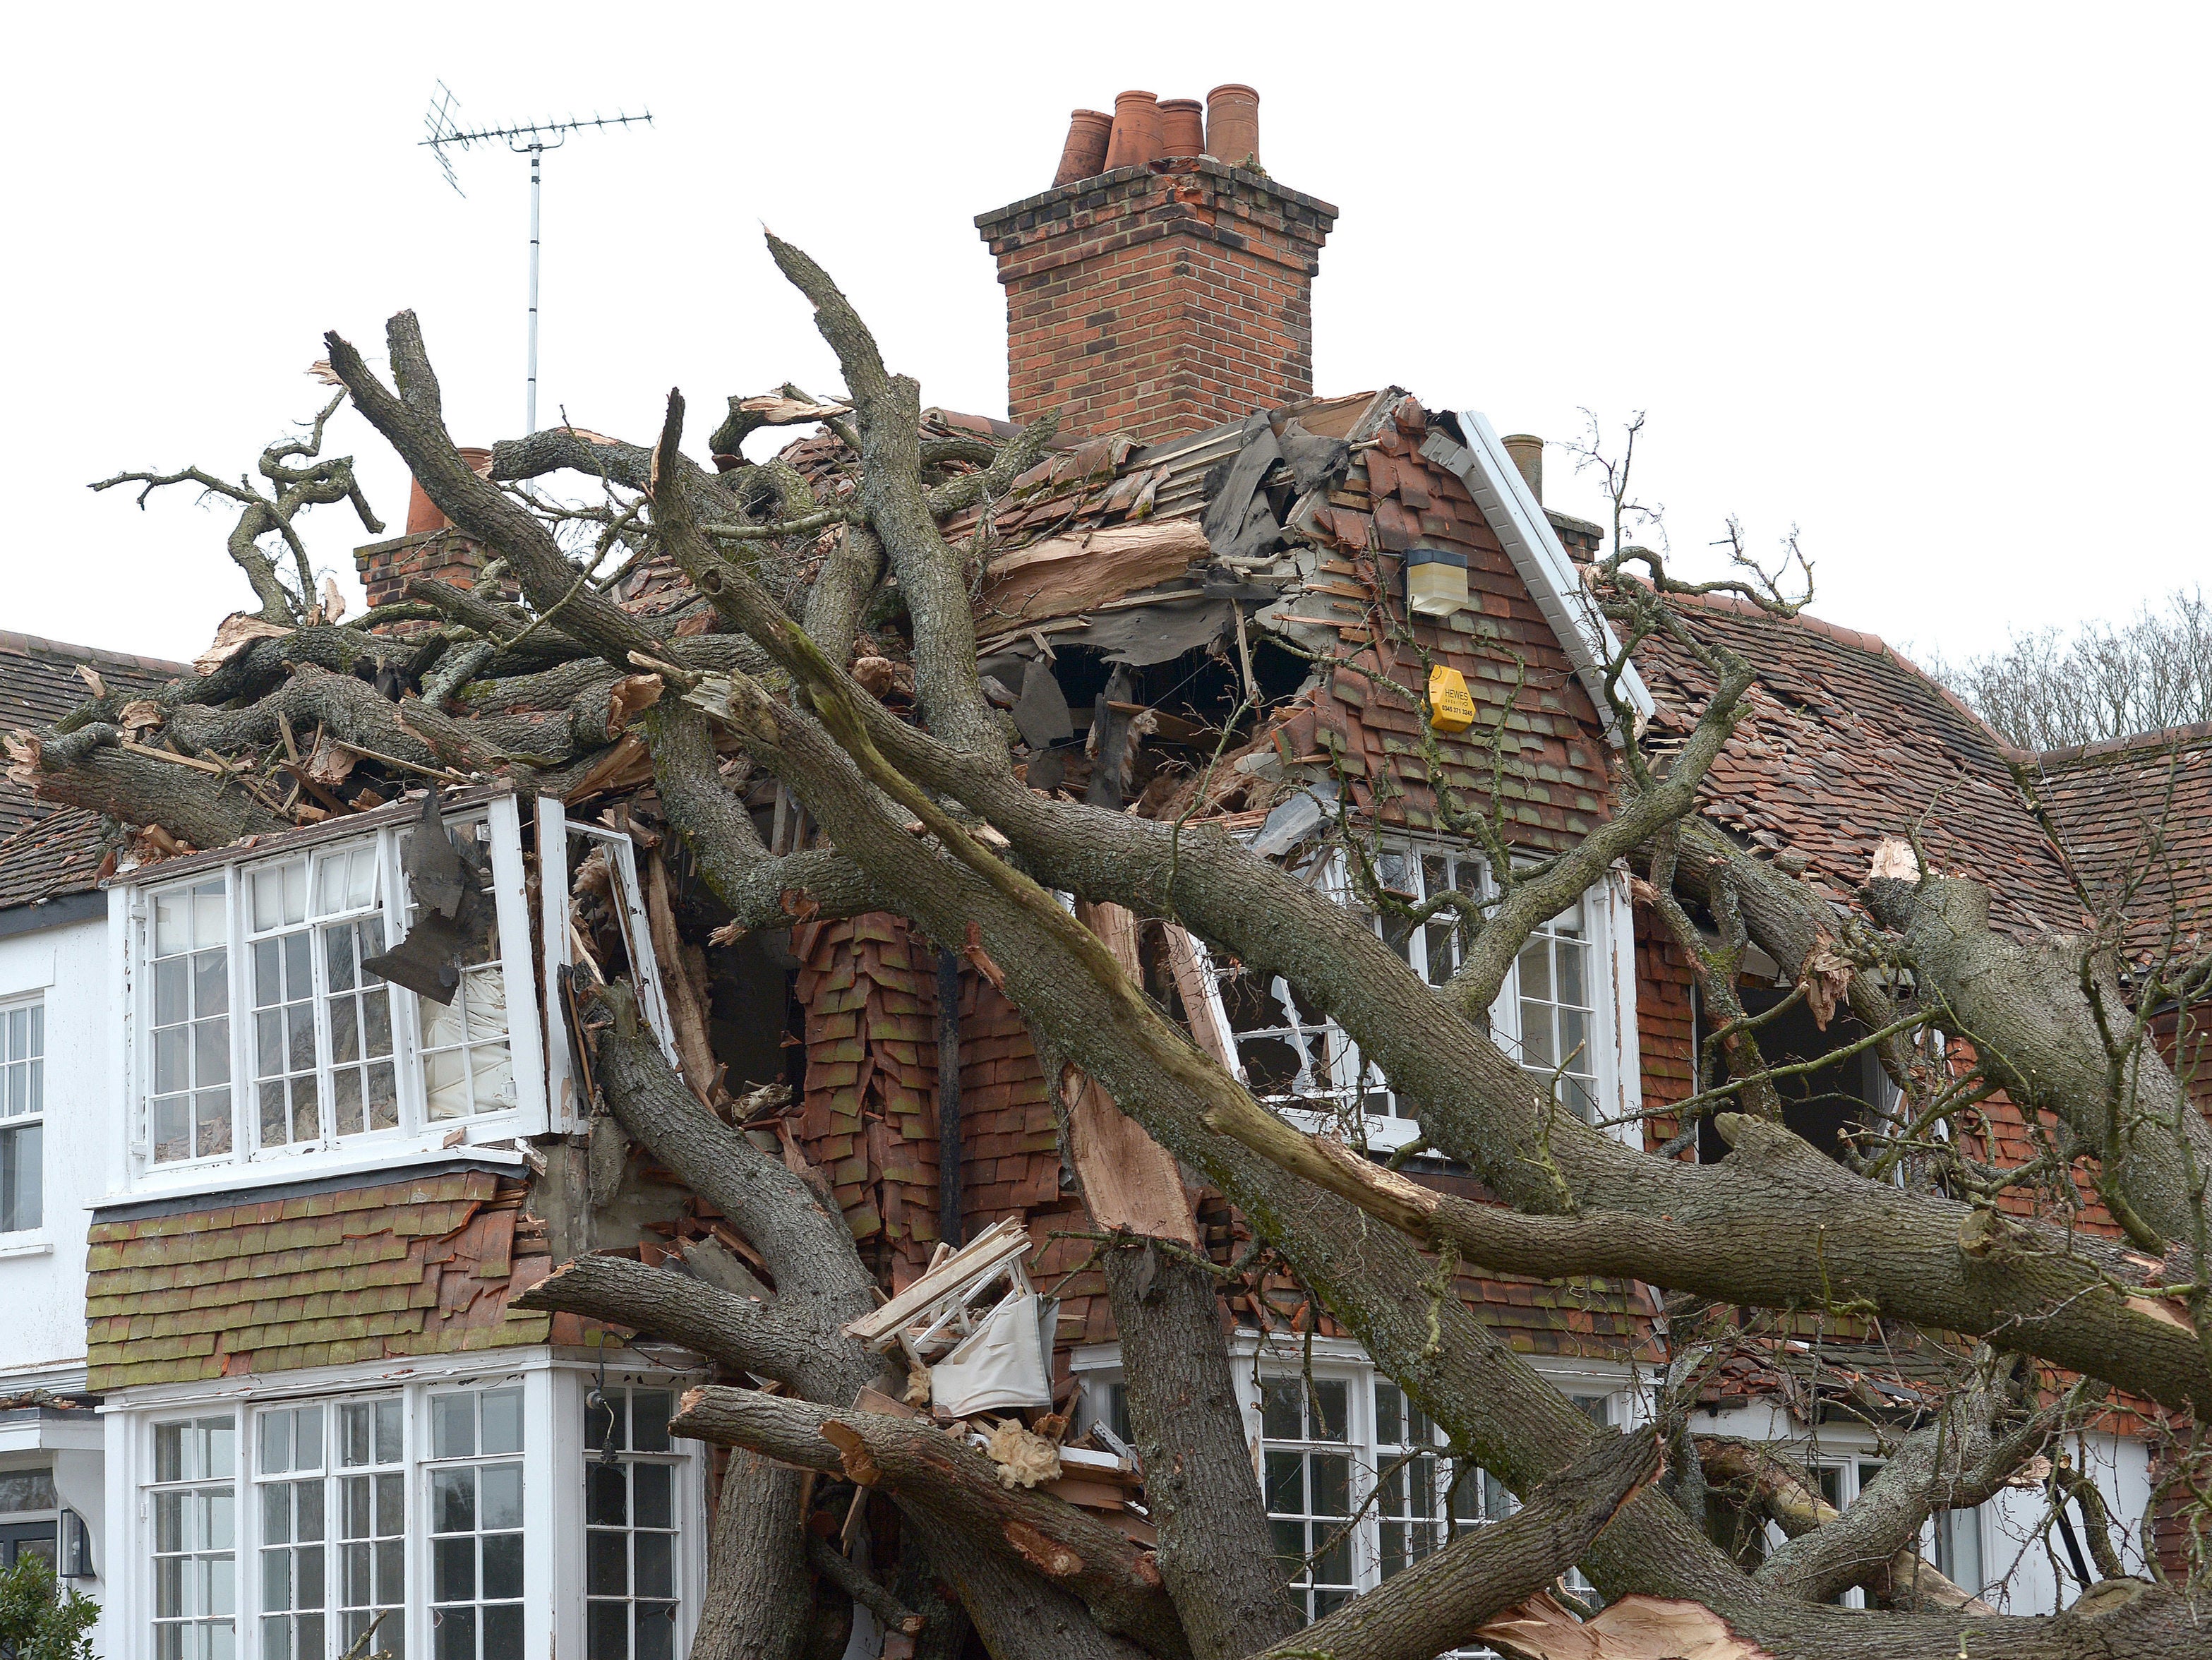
point(1163, 296)
point(432, 547)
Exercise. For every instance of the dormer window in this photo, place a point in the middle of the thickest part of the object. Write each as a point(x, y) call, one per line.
point(268, 1032)
point(1566, 1011)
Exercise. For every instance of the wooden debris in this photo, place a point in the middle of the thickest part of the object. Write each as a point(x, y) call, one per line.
point(687, 1011)
point(997, 1244)
point(1130, 1181)
point(1066, 574)
point(1634, 1628)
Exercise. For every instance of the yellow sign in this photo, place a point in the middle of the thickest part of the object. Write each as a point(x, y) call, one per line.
point(1450, 709)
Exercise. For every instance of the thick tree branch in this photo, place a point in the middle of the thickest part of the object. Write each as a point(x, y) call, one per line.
point(1441, 1601)
point(958, 1486)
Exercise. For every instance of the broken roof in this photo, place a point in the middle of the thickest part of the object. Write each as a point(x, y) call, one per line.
point(1285, 531)
point(46, 851)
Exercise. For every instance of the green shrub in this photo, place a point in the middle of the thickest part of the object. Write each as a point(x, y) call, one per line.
point(39, 1620)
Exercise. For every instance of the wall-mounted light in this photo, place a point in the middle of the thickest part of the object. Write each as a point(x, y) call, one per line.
point(1436, 581)
point(76, 1548)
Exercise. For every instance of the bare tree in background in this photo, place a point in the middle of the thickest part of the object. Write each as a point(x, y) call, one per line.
point(2048, 690)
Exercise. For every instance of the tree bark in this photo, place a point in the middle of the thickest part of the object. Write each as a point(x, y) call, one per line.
point(1215, 1551)
point(759, 1593)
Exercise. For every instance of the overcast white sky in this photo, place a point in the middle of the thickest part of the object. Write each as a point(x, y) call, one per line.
point(1925, 281)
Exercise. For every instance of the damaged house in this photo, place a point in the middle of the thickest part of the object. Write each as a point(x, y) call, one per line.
point(459, 1065)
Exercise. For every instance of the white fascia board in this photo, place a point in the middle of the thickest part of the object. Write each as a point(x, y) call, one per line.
point(1518, 521)
point(46, 1435)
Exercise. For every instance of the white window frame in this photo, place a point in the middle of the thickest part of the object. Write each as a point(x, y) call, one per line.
point(31, 1081)
point(1609, 920)
point(1255, 1360)
point(629, 1459)
point(554, 1460)
point(416, 1136)
point(555, 828)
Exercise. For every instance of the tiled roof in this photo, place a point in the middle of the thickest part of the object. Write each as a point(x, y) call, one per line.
point(421, 1266)
point(46, 851)
point(1844, 743)
point(2135, 817)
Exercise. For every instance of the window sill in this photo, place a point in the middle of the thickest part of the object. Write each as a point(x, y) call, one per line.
point(28, 1243)
point(274, 1170)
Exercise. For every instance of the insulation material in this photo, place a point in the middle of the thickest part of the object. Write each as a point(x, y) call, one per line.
point(1024, 1460)
point(1001, 1365)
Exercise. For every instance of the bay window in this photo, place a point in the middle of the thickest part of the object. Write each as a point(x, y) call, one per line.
point(460, 1517)
point(267, 1031)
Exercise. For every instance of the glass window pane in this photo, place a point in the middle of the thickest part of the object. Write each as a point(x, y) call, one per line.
point(502, 1566)
point(172, 992)
point(452, 1426)
point(652, 1496)
point(1328, 1402)
point(656, 1630)
point(275, 1442)
point(606, 1495)
point(454, 1633)
point(649, 1412)
point(606, 1564)
point(211, 983)
point(502, 1420)
point(606, 1635)
point(499, 1497)
point(172, 923)
point(452, 1501)
point(453, 1569)
point(1572, 960)
point(503, 1633)
point(655, 1565)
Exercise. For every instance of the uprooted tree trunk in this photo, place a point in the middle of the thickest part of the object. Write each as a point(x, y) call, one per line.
point(927, 819)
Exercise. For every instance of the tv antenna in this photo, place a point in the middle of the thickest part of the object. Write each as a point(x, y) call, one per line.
point(534, 140)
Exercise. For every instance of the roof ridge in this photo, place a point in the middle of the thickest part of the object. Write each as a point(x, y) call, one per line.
point(2105, 749)
point(31, 645)
point(1875, 646)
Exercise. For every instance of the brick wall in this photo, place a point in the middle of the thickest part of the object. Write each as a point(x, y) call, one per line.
point(387, 568)
point(1155, 302)
point(1665, 1028)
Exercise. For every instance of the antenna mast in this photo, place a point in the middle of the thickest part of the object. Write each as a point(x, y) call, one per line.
point(534, 140)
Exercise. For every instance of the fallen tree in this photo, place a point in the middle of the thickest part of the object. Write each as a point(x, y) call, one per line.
point(921, 811)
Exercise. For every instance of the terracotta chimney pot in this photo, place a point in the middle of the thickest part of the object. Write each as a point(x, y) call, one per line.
point(1183, 127)
point(1232, 124)
point(1136, 138)
point(1085, 155)
point(1528, 452)
point(423, 514)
